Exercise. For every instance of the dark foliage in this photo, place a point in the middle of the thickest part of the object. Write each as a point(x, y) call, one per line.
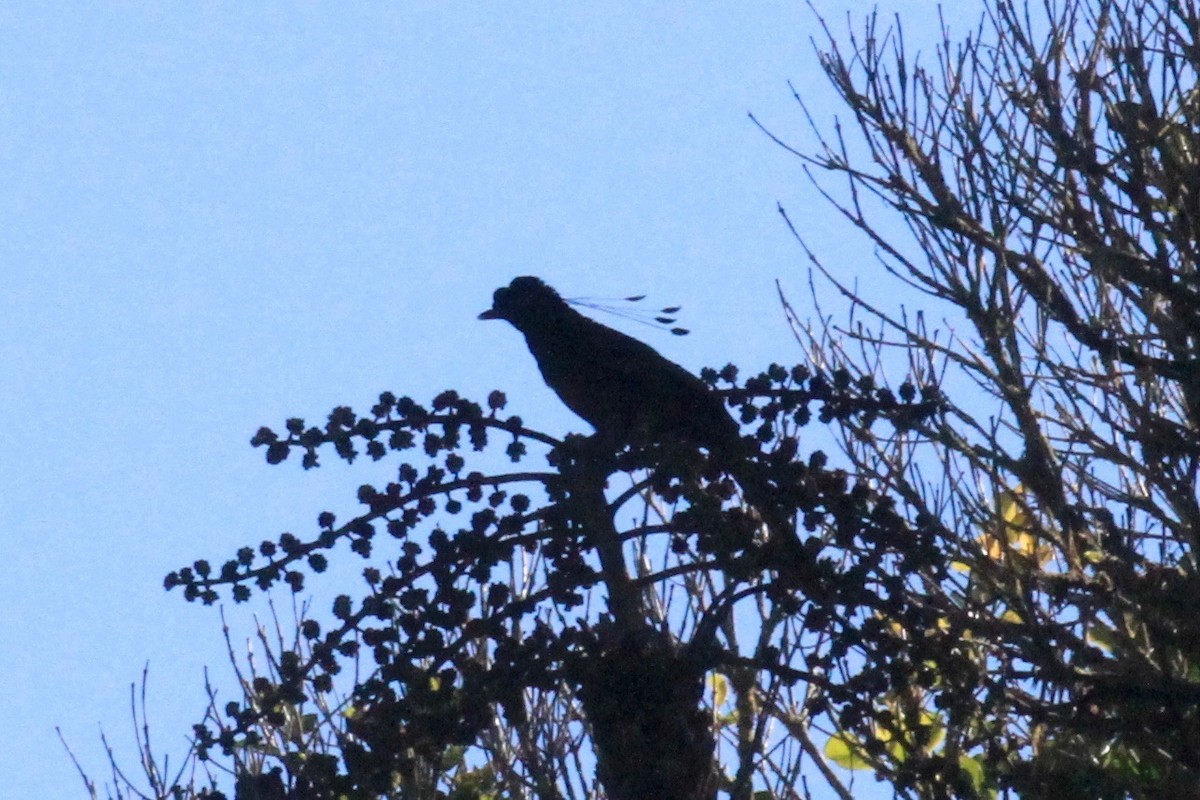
point(451, 638)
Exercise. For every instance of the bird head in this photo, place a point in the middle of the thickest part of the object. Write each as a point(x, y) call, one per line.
point(527, 300)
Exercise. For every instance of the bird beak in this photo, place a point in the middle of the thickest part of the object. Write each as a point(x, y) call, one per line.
point(489, 314)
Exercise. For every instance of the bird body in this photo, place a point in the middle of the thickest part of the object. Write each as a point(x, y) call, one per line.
point(624, 388)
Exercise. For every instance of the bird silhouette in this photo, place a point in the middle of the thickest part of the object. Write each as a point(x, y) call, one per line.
point(630, 393)
point(623, 387)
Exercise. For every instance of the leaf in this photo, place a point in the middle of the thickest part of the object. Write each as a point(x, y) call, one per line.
point(1127, 763)
point(1012, 513)
point(844, 750)
point(937, 735)
point(1102, 636)
point(453, 756)
point(905, 740)
point(1013, 537)
point(720, 687)
point(296, 726)
point(974, 769)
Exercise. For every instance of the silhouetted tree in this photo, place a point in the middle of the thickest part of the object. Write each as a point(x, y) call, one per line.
point(999, 583)
point(1046, 169)
point(490, 591)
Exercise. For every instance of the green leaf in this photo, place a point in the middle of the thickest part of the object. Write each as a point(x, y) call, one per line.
point(974, 769)
point(845, 750)
point(1102, 636)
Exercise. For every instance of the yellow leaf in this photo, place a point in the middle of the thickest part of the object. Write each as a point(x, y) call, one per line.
point(1012, 536)
point(907, 740)
point(720, 687)
point(845, 751)
point(937, 734)
point(1012, 513)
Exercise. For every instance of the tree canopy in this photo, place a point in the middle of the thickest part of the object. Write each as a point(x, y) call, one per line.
point(1000, 591)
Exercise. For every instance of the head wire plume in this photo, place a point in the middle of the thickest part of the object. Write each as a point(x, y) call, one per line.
point(662, 318)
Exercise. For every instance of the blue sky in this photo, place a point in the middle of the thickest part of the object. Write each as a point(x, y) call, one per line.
point(217, 216)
